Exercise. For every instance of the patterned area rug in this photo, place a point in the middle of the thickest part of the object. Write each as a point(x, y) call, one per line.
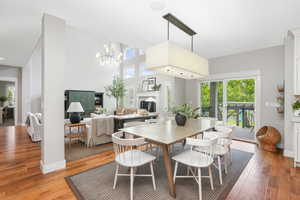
point(97, 183)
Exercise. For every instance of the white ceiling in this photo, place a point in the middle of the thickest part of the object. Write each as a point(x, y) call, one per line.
point(223, 27)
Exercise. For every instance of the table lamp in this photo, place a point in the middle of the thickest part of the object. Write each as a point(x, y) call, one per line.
point(75, 109)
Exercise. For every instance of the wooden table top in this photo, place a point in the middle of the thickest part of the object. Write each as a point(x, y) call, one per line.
point(168, 132)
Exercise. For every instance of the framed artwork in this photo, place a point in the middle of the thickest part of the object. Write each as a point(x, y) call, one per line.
point(145, 85)
point(151, 83)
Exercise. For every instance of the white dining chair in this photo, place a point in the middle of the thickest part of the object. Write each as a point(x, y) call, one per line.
point(197, 160)
point(221, 150)
point(226, 140)
point(127, 154)
point(147, 145)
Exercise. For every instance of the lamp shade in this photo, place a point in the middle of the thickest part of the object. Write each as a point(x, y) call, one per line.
point(75, 107)
point(170, 59)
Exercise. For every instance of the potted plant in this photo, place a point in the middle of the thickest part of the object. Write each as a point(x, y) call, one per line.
point(296, 108)
point(101, 111)
point(10, 96)
point(3, 99)
point(184, 112)
point(116, 90)
point(156, 87)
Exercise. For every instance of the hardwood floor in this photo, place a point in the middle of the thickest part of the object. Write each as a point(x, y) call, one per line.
point(267, 176)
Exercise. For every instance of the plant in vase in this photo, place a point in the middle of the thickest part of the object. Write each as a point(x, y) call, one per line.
point(10, 96)
point(184, 112)
point(116, 90)
point(296, 108)
point(3, 99)
point(101, 111)
point(156, 87)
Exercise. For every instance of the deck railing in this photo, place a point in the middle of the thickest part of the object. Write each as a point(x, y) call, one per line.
point(238, 113)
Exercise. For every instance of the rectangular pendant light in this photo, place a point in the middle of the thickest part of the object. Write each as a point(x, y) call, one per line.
point(173, 60)
point(170, 59)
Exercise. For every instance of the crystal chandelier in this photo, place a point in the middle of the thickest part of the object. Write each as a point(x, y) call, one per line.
point(110, 55)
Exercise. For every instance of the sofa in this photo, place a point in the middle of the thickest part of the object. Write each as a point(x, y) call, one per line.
point(99, 129)
point(34, 126)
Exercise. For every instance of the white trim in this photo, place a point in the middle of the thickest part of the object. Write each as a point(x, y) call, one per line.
point(230, 76)
point(47, 168)
point(225, 100)
point(288, 153)
point(15, 80)
point(295, 32)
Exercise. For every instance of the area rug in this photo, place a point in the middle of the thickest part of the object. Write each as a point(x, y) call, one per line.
point(96, 184)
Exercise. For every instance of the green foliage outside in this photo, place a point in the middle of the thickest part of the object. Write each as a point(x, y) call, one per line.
point(237, 91)
point(205, 95)
point(10, 95)
point(241, 90)
point(296, 105)
point(3, 99)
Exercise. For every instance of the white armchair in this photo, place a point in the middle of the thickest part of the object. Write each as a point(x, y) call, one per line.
point(34, 128)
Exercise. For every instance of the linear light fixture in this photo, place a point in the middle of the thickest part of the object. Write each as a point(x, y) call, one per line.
point(170, 59)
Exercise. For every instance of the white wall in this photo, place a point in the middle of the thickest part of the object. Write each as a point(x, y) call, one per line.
point(270, 63)
point(192, 92)
point(82, 71)
point(14, 73)
point(32, 82)
point(179, 91)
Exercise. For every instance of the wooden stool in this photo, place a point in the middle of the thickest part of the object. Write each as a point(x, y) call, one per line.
point(268, 138)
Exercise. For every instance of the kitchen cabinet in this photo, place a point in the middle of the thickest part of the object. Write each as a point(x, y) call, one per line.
point(296, 34)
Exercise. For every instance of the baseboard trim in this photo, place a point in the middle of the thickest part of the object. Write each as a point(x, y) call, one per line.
point(47, 168)
point(288, 153)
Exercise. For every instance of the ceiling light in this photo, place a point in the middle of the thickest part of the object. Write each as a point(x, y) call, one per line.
point(157, 5)
point(169, 58)
point(110, 55)
point(1, 58)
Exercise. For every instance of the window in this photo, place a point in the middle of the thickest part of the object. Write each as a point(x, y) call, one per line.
point(141, 52)
point(144, 71)
point(212, 99)
point(129, 53)
point(129, 72)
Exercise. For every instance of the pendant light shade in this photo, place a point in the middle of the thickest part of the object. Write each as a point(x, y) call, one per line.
point(173, 60)
point(170, 59)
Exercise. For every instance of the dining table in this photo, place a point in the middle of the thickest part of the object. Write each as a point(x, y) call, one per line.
point(166, 133)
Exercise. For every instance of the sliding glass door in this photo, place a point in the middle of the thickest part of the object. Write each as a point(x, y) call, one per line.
point(212, 104)
point(231, 101)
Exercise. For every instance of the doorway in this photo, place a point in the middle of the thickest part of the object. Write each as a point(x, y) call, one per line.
point(232, 101)
point(7, 103)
